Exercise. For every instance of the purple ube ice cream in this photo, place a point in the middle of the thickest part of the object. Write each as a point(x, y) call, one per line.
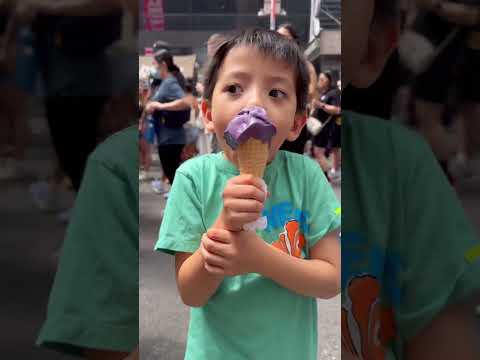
point(249, 123)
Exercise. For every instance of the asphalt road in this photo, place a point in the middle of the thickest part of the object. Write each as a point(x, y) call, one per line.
point(30, 240)
point(163, 316)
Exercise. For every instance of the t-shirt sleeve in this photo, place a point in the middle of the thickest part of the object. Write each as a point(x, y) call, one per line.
point(182, 225)
point(440, 241)
point(175, 91)
point(94, 299)
point(168, 91)
point(324, 212)
point(333, 99)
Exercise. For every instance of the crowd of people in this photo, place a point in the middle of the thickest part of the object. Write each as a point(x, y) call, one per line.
point(68, 70)
point(430, 84)
point(170, 116)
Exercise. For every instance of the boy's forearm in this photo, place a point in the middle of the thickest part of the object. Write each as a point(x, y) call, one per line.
point(320, 278)
point(195, 284)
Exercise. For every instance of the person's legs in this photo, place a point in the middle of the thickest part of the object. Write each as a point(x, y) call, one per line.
point(428, 117)
point(73, 122)
point(13, 118)
point(320, 155)
point(170, 157)
point(471, 129)
point(337, 159)
point(18, 115)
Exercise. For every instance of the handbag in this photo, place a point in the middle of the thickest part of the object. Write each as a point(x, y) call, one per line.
point(314, 126)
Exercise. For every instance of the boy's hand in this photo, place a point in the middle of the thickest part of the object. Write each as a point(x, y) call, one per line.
point(231, 253)
point(243, 201)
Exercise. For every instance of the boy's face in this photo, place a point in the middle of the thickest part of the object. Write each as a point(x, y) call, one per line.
point(365, 47)
point(247, 78)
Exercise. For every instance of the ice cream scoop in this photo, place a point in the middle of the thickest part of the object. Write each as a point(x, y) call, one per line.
point(250, 123)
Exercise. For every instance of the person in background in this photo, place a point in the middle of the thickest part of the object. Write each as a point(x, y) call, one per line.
point(18, 74)
point(298, 146)
point(327, 110)
point(171, 135)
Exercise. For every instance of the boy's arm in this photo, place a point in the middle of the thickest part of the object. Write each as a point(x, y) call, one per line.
point(195, 284)
point(438, 341)
point(320, 274)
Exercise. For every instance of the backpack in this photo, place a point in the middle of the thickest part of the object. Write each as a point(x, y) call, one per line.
point(175, 119)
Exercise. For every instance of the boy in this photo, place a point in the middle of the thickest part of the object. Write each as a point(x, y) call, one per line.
point(410, 266)
point(249, 299)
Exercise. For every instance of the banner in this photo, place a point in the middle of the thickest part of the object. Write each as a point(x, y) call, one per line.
point(153, 15)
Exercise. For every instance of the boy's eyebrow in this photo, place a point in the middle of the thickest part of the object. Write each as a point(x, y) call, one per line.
point(243, 75)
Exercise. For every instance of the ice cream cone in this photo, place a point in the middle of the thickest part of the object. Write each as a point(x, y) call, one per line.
point(252, 157)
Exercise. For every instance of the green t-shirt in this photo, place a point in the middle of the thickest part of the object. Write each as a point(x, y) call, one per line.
point(250, 316)
point(407, 247)
point(94, 300)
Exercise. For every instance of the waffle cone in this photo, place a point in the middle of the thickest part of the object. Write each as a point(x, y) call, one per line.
point(252, 157)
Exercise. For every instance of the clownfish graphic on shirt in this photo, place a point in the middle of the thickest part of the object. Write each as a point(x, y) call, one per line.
point(291, 241)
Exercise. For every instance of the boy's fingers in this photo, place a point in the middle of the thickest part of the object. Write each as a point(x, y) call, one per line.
point(210, 258)
point(213, 269)
point(247, 179)
point(219, 235)
point(245, 218)
point(215, 247)
point(244, 192)
point(243, 205)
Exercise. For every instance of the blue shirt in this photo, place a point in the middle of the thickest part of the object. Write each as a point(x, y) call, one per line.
point(168, 91)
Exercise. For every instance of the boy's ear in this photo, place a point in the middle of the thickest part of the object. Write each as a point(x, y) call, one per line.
point(383, 40)
point(207, 116)
point(298, 124)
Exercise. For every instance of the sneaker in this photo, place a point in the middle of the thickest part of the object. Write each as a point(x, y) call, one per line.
point(157, 186)
point(142, 175)
point(44, 197)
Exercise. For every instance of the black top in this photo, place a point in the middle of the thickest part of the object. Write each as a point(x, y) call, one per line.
point(331, 97)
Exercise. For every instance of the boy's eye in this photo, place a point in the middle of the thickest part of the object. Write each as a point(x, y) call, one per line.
point(234, 89)
point(276, 93)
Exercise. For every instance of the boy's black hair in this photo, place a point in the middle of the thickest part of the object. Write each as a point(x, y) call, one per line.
point(271, 44)
point(291, 29)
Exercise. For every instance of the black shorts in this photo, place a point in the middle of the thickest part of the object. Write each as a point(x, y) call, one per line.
point(456, 70)
point(330, 137)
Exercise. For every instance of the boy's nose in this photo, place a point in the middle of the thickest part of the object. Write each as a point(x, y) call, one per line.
point(255, 99)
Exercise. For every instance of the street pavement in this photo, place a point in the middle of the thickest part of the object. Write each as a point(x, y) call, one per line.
point(30, 241)
point(163, 316)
